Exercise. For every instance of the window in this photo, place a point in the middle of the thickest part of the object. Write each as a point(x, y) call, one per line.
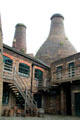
point(71, 69)
point(7, 63)
point(39, 77)
point(24, 69)
point(38, 74)
point(59, 72)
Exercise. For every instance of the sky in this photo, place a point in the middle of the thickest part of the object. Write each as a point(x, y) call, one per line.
point(35, 14)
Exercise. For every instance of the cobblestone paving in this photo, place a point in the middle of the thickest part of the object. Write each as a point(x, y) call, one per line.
point(47, 117)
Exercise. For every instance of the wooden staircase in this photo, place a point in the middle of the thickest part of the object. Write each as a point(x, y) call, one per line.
point(20, 89)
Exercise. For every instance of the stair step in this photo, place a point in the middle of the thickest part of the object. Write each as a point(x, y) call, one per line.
point(19, 91)
point(12, 86)
point(16, 93)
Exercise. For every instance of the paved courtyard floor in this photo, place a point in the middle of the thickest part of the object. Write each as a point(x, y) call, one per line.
point(46, 117)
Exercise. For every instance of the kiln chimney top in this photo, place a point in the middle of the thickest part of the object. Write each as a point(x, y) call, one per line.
point(57, 15)
point(20, 24)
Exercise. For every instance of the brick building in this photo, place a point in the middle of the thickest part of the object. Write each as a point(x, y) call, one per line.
point(65, 82)
point(52, 83)
point(1, 67)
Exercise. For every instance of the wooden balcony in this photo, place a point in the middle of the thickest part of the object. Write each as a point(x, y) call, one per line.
point(40, 85)
point(18, 86)
point(66, 75)
point(9, 75)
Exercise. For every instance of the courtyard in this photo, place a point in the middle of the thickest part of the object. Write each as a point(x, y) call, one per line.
point(46, 117)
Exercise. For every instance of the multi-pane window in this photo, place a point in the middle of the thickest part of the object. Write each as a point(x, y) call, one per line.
point(59, 72)
point(7, 63)
point(24, 69)
point(38, 74)
point(39, 77)
point(71, 69)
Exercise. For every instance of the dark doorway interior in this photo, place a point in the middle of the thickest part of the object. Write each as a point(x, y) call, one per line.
point(68, 99)
point(6, 91)
point(38, 99)
point(77, 104)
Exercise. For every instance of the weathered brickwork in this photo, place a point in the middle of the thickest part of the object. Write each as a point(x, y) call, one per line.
point(19, 41)
point(19, 59)
point(26, 83)
point(30, 81)
point(65, 68)
point(68, 81)
point(1, 68)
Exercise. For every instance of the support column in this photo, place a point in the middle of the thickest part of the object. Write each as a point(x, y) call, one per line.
point(31, 77)
point(1, 68)
point(42, 101)
point(63, 112)
point(73, 103)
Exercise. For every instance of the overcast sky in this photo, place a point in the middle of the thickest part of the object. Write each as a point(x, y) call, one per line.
point(35, 14)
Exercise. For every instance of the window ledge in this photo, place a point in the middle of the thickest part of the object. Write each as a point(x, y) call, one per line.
point(36, 79)
point(23, 75)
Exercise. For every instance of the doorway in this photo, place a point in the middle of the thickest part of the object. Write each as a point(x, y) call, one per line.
point(77, 104)
point(68, 99)
point(38, 99)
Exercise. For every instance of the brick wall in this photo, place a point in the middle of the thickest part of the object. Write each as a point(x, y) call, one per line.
point(27, 80)
point(1, 71)
point(65, 69)
point(20, 59)
point(68, 84)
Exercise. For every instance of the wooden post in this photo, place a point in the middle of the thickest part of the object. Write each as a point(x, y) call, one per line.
point(31, 77)
point(25, 100)
point(73, 102)
point(62, 102)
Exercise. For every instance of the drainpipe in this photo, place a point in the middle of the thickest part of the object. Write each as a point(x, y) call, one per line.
point(32, 76)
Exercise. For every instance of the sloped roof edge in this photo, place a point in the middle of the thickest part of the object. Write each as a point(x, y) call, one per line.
point(27, 56)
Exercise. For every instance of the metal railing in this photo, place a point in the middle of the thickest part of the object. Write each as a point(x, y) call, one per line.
point(7, 72)
point(10, 74)
point(66, 75)
point(7, 67)
point(27, 95)
point(39, 83)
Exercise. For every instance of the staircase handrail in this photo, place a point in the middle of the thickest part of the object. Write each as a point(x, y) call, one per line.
point(29, 95)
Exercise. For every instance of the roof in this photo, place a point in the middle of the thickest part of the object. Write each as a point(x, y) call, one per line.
point(35, 61)
point(77, 55)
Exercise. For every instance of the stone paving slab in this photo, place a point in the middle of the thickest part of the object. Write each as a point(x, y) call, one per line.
point(47, 117)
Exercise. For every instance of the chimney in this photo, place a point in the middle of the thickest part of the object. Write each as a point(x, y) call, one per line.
point(57, 25)
point(19, 41)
